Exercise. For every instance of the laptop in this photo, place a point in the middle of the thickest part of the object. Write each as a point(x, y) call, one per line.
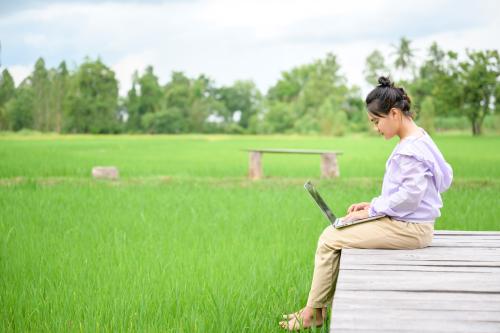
point(336, 222)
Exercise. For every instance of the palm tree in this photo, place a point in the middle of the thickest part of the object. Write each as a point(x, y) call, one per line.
point(404, 55)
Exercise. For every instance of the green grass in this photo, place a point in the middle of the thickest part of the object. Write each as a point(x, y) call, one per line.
point(184, 242)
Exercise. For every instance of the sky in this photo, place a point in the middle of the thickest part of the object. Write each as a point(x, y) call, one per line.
point(234, 40)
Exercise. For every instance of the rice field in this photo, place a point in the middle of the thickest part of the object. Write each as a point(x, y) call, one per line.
point(184, 242)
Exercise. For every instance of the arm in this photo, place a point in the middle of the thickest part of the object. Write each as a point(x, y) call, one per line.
point(412, 178)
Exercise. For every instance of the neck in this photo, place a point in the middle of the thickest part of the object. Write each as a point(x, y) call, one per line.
point(408, 128)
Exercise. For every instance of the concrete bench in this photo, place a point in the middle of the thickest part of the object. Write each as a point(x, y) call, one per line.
point(105, 172)
point(329, 164)
point(451, 286)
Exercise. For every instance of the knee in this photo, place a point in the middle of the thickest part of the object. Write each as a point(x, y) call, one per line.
point(328, 238)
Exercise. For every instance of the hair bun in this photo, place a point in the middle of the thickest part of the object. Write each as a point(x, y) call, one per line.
point(403, 93)
point(385, 82)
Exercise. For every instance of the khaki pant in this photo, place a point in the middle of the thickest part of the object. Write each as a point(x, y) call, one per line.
point(384, 233)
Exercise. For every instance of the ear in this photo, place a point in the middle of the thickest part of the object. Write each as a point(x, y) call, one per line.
point(395, 113)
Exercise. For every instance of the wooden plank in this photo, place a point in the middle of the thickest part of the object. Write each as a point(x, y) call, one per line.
point(470, 236)
point(349, 304)
point(421, 268)
point(464, 244)
point(460, 299)
point(462, 256)
point(438, 329)
point(411, 300)
point(419, 324)
point(472, 239)
point(407, 330)
point(374, 314)
point(452, 286)
point(295, 151)
point(351, 264)
point(467, 238)
point(418, 281)
point(458, 232)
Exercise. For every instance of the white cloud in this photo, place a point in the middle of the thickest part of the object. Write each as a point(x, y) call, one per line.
point(230, 40)
point(36, 40)
point(126, 67)
point(19, 72)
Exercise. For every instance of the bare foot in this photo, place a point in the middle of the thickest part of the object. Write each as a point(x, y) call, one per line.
point(303, 319)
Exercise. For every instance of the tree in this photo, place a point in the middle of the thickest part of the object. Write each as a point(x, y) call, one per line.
point(427, 115)
point(7, 91)
point(93, 101)
point(242, 97)
point(375, 67)
point(278, 118)
point(164, 121)
point(302, 92)
point(144, 97)
point(177, 99)
point(150, 92)
point(41, 92)
point(132, 106)
point(479, 75)
point(195, 100)
point(438, 78)
point(404, 56)
point(203, 103)
point(19, 109)
point(60, 87)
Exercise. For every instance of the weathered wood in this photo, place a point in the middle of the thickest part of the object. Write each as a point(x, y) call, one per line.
point(418, 281)
point(416, 324)
point(295, 151)
point(329, 166)
point(462, 233)
point(429, 253)
point(109, 172)
point(255, 165)
point(452, 286)
point(492, 268)
point(398, 299)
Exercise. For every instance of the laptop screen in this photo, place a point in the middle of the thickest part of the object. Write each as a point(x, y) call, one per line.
point(319, 200)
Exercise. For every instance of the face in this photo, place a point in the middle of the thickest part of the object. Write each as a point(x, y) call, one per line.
point(387, 126)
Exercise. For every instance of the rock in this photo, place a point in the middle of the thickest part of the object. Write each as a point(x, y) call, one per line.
point(110, 172)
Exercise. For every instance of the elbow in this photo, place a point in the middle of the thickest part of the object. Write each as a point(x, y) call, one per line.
point(405, 205)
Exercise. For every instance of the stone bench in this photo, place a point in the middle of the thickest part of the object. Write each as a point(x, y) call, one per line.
point(329, 164)
point(451, 286)
point(105, 172)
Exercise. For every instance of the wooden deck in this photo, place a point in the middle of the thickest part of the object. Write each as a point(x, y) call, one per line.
point(451, 286)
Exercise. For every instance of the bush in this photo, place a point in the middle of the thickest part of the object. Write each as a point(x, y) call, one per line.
point(427, 115)
point(167, 121)
point(451, 123)
point(492, 123)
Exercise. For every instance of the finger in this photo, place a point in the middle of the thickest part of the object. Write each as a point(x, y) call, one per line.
point(351, 207)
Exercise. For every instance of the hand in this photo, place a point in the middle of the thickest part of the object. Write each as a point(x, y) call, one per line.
point(357, 215)
point(358, 206)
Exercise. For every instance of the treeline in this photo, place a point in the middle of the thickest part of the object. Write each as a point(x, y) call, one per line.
point(312, 98)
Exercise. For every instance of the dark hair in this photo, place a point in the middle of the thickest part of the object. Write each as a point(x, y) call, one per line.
point(385, 97)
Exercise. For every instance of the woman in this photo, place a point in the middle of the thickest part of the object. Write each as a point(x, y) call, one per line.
point(416, 173)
